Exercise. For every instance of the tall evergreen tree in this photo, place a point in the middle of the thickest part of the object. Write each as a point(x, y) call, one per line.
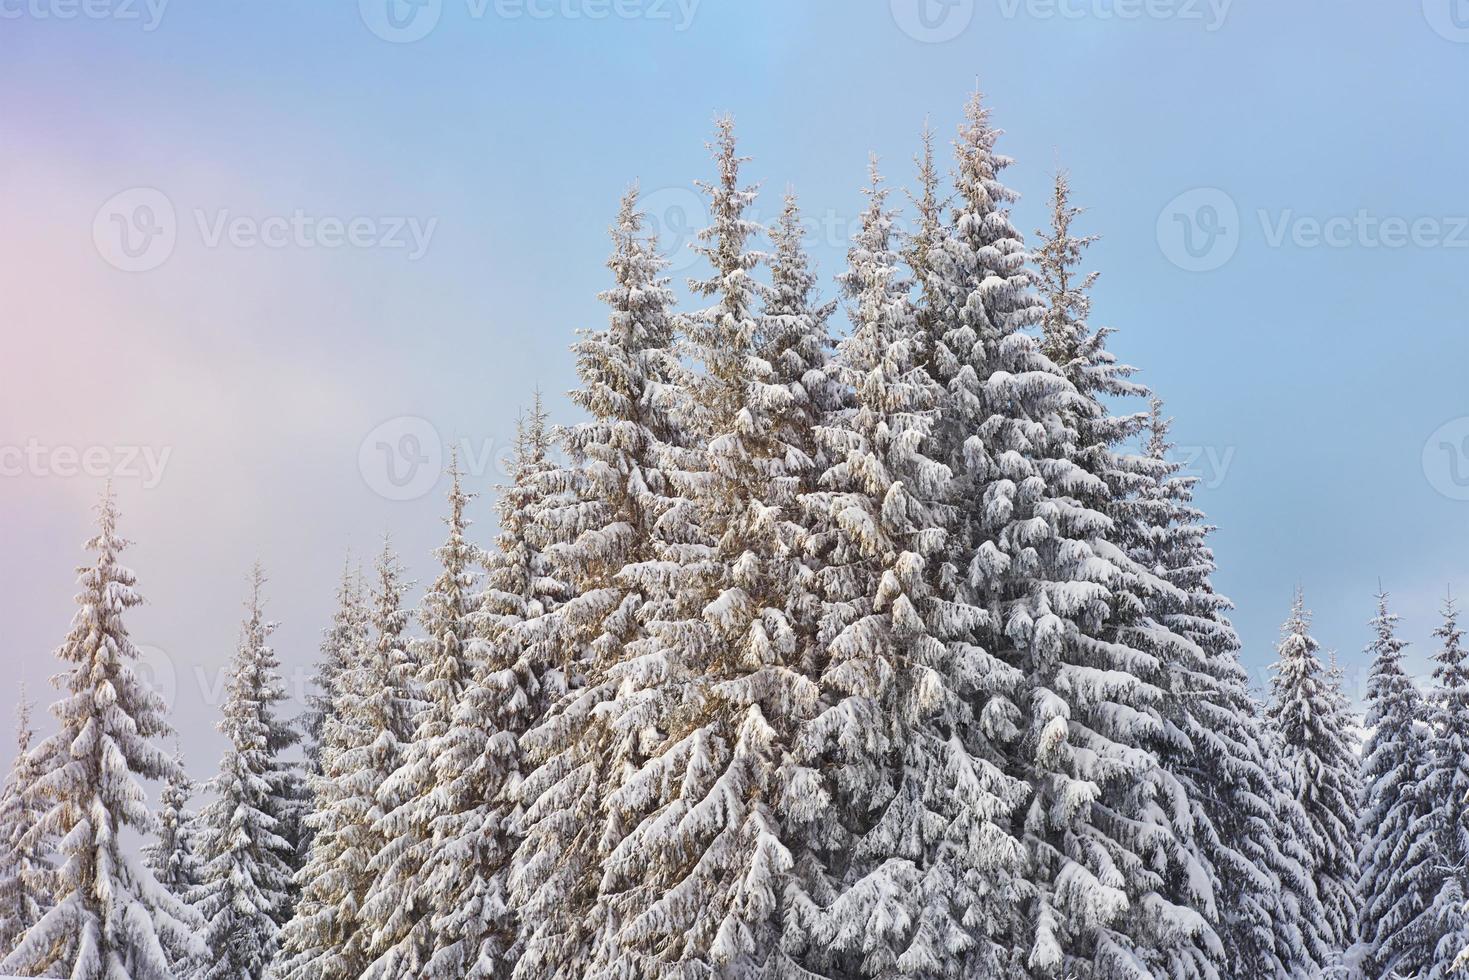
point(696, 882)
point(605, 518)
point(1244, 823)
point(374, 706)
point(1041, 576)
point(173, 855)
point(1321, 769)
point(246, 893)
point(111, 917)
point(340, 642)
point(518, 670)
point(916, 871)
point(24, 864)
point(1397, 878)
point(400, 900)
point(1445, 786)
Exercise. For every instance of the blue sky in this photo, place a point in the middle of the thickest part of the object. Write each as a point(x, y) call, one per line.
point(362, 233)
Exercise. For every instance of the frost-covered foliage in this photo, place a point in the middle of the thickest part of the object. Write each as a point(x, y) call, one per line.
point(898, 658)
point(111, 918)
point(174, 854)
point(340, 642)
point(24, 864)
point(374, 707)
point(1320, 770)
point(1246, 825)
point(408, 898)
point(246, 893)
point(1398, 877)
point(605, 523)
point(1044, 582)
point(695, 882)
point(1444, 827)
point(899, 792)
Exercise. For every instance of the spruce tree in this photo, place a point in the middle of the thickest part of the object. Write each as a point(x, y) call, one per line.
point(897, 792)
point(1397, 883)
point(518, 668)
point(111, 917)
point(605, 518)
point(1445, 787)
point(1245, 824)
point(1321, 769)
point(374, 707)
point(1040, 575)
point(173, 855)
point(696, 882)
point(24, 864)
point(246, 893)
point(340, 642)
point(399, 900)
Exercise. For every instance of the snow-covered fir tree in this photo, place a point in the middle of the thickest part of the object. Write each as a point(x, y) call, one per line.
point(1398, 878)
point(1039, 574)
point(515, 668)
point(24, 863)
point(400, 902)
point(1445, 788)
point(246, 892)
point(111, 918)
point(898, 795)
point(795, 340)
point(374, 709)
point(1321, 769)
point(696, 883)
point(173, 855)
point(605, 516)
point(1245, 823)
point(340, 642)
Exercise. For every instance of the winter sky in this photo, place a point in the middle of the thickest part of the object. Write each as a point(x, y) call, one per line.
point(247, 244)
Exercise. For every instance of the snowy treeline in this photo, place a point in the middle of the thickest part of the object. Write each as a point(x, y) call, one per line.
point(893, 655)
